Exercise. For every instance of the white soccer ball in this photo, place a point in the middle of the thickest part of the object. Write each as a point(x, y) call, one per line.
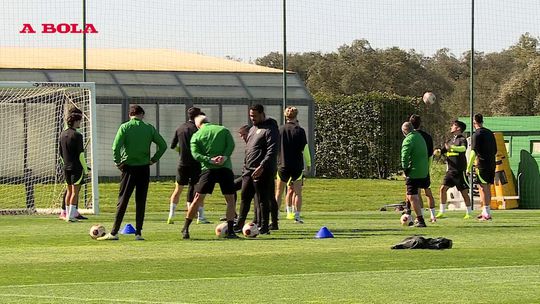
point(405, 219)
point(97, 231)
point(222, 230)
point(250, 230)
point(429, 98)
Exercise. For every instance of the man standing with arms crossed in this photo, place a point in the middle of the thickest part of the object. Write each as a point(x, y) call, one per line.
point(212, 146)
point(189, 169)
point(456, 164)
point(414, 162)
point(131, 150)
point(483, 150)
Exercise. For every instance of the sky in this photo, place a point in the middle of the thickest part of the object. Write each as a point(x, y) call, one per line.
point(248, 29)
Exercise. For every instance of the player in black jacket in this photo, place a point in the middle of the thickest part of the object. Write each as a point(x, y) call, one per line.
point(291, 160)
point(456, 164)
point(260, 166)
point(483, 151)
point(189, 169)
point(71, 150)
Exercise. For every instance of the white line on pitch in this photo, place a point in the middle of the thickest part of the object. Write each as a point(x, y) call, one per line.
point(103, 300)
point(437, 270)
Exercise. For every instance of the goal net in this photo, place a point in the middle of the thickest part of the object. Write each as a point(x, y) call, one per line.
point(31, 119)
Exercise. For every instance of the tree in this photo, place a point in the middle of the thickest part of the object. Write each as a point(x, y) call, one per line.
point(300, 63)
point(521, 94)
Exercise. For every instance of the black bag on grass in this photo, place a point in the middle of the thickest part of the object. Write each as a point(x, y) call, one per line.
point(418, 242)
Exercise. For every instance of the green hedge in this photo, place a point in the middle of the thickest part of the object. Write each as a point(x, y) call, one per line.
point(359, 136)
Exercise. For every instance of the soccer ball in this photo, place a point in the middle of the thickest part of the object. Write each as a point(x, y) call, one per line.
point(97, 231)
point(429, 98)
point(250, 230)
point(405, 219)
point(222, 230)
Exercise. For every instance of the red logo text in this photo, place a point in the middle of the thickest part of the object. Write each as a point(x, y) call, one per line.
point(60, 28)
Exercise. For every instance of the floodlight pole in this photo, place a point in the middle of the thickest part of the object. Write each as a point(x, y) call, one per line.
point(471, 99)
point(284, 103)
point(84, 39)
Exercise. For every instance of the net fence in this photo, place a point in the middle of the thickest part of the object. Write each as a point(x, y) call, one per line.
point(334, 48)
point(31, 119)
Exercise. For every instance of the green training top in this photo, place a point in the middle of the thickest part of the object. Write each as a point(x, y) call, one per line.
point(210, 141)
point(414, 158)
point(132, 143)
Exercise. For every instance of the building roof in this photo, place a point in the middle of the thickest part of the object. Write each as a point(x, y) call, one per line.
point(509, 123)
point(121, 59)
point(167, 84)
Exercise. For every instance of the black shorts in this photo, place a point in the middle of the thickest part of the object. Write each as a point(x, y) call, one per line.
point(486, 174)
point(287, 175)
point(413, 184)
point(187, 175)
point(209, 178)
point(74, 177)
point(455, 179)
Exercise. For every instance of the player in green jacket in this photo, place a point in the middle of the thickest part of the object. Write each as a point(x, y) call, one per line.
point(212, 146)
point(131, 151)
point(415, 164)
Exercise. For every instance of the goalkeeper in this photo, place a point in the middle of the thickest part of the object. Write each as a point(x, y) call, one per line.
point(71, 150)
point(454, 150)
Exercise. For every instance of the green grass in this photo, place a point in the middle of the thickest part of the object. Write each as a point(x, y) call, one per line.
point(44, 260)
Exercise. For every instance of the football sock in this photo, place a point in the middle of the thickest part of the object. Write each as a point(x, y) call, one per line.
point(172, 209)
point(230, 227)
point(488, 210)
point(432, 212)
point(443, 208)
point(469, 209)
point(289, 209)
point(187, 222)
point(72, 211)
point(201, 212)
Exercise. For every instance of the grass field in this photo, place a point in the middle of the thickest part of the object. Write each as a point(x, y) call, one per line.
point(44, 260)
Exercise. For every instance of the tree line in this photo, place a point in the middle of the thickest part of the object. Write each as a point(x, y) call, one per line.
point(505, 82)
point(363, 94)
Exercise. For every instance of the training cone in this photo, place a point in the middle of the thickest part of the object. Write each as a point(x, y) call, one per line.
point(128, 229)
point(324, 233)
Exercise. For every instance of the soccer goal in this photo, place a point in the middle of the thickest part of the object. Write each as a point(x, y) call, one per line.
point(31, 119)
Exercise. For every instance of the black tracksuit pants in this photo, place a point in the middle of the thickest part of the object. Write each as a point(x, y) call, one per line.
point(263, 192)
point(133, 178)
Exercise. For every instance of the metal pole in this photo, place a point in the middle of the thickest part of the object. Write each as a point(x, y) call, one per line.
point(471, 97)
point(84, 39)
point(284, 104)
point(94, 174)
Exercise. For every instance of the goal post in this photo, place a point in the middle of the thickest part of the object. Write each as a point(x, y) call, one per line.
point(32, 116)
